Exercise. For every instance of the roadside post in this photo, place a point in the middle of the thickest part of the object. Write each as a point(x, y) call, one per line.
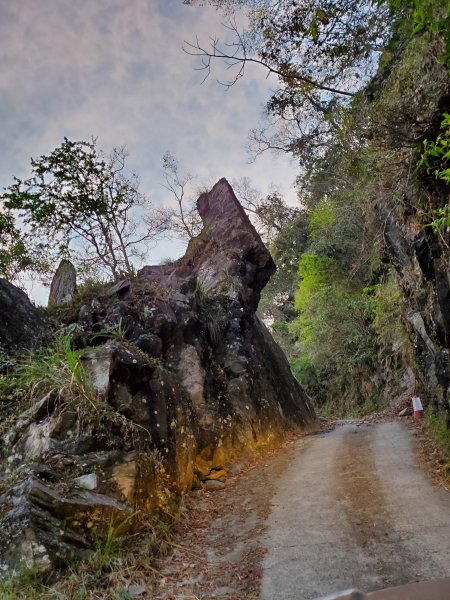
point(417, 408)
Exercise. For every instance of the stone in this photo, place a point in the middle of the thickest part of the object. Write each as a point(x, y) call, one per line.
point(150, 344)
point(64, 284)
point(405, 412)
point(35, 442)
point(193, 382)
point(86, 317)
point(212, 485)
point(99, 364)
point(192, 375)
point(135, 591)
point(221, 474)
point(417, 322)
point(236, 366)
point(36, 525)
point(235, 470)
point(87, 482)
point(202, 467)
point(120, 289)
point(22, 325)
point(37, 412)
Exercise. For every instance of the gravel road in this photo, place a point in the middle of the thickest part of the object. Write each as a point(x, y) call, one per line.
point(353, 509)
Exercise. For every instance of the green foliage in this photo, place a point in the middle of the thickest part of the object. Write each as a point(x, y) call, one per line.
point(108, 546)
point(16, 255)
point(86, 206)
point(280, 326)
point(55, 368)
point(26, 585)
point(277, 298)
point(420, 15)
point(388, 307)
point(330, 309)
point(201, 295)
point(439, 427)
point(305, 372)
point(435, 155)
point(322, 217)
point(442, 220)
point(403, 109)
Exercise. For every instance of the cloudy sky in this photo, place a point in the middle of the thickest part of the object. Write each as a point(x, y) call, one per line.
point(114, 69)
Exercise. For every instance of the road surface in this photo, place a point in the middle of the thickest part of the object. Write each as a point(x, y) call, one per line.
point(353, 509)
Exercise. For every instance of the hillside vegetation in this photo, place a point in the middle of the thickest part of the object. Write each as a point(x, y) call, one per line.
point(363, 312)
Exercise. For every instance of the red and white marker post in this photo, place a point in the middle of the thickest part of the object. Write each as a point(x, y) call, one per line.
point(417, 408)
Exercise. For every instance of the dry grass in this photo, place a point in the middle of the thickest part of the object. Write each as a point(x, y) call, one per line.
point(431, 456)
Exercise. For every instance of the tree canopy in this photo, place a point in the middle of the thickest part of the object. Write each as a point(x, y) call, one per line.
point(87, 207)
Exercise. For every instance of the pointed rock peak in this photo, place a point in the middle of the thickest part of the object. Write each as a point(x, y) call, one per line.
point(64, 284)
point(228, 249)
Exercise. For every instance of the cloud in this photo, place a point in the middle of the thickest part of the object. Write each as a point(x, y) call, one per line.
point(114, 69)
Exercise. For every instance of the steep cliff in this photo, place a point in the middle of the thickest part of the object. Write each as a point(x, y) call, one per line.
point(408, 107)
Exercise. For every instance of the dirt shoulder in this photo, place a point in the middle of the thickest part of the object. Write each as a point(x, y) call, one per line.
point(219, 554)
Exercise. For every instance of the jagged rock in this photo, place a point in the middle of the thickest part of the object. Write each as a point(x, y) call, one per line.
point(150, 344)
point(42, 529)
point(99, 366)
point(192, 384)
point(86, 317)
point(64, 284)
point(21, 324)
point(120, 289)
point(136, 480)
point(227, 258)
point(192, 375)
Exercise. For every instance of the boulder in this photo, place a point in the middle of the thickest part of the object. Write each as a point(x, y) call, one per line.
point(43, 529)
point(212, 485)
point(22, 324)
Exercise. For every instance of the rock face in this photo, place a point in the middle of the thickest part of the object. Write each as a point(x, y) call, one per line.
point(21, 323)
point(187, 381)
point(64, 284)
point(421, 261)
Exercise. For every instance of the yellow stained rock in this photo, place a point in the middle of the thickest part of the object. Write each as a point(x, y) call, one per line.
point(217, 474)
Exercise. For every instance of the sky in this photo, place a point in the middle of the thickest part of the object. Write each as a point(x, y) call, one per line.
point(115, 70)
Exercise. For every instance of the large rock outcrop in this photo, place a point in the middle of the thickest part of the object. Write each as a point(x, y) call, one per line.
point(21, 323)
point(186, 380)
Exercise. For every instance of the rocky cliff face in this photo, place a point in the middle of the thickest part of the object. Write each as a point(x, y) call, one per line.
point(420, 257)
point(185, 381)
point(407, 206)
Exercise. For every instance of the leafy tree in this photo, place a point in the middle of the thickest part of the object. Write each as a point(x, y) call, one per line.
point(14, 255)
point(86, 206)
point(270, 214)
point(277, 298)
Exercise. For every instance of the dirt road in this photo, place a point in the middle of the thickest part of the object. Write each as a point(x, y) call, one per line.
point(348, 508)
point(352, 509)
